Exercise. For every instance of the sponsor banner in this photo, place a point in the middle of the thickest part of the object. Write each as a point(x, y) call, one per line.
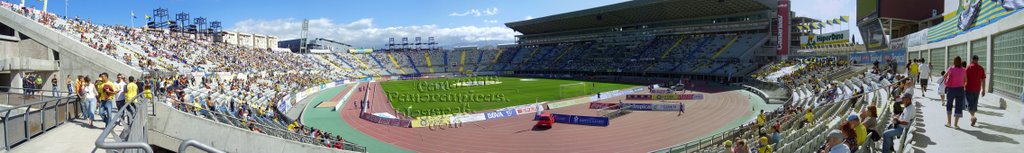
point(665, 97)
point(581, 120)
point(578, 119)
point(782, 29)
point(500, 114)
point(917, 38)
point(597, 105)
point(639, 106)
point(639, 97)
point(360, 51)
point(898, 55)
point(666, 107)
point(465, 118)
point(691, 97)
point(838, 37)
point(386, 121)
point(432, 120)
point(532, 108)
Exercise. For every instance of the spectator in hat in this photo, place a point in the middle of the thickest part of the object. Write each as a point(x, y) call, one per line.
point(834, 143)
point(902, 121)
point(860, 131)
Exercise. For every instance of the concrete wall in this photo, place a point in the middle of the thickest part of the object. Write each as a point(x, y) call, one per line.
point(986, 33)
point(75, 57)
point(169, 127)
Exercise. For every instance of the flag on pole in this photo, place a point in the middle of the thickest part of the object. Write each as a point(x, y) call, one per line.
point(845, 19)
point(828, 22)
point(836, 21)
point(133, 13)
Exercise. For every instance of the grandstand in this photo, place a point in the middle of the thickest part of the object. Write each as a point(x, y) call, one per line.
point(206, 95)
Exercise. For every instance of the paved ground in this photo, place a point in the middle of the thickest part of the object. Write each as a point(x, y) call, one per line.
point(999, 130)
point(640, 131)
point(73, 136)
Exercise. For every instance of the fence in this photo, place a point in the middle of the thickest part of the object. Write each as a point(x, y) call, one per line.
point(271, 129)
point(27, 119)
point(131, 138)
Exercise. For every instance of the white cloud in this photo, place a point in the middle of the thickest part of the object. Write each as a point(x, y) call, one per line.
point(474, 12)
point(528, 18)
point(362, 32)
point(490, 21)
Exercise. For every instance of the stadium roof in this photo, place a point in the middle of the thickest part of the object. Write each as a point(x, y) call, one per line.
point(637, 11)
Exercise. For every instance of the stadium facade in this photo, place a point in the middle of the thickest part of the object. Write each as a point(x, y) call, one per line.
point(710, 38)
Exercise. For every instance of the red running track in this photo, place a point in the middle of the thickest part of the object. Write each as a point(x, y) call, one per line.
point(639, 131)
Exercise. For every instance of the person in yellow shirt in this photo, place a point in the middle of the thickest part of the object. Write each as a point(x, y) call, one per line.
point(107, 90)
point(913, 70)
point(809, 116)
point(858, 128)
point(764, 146)
point(760, 119)
point(131, 92)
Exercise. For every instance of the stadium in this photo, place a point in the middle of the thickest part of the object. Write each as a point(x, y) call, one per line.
point(660, 76)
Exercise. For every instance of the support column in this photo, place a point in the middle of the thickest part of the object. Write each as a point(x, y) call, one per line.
point(988, 63)
point(16, 81)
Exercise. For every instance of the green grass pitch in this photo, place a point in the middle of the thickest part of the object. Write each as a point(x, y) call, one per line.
point(510, 92)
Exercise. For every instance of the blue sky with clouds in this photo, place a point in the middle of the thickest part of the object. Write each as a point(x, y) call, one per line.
point(370, 23)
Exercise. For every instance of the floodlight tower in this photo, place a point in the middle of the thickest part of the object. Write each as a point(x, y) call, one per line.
point(160, 18)
point(405, 44)
point(215, 29)
point(430, 43)
point(200, 23)
point(182, 19)
point(418, 43)
point(304, 36)
point(391, 44)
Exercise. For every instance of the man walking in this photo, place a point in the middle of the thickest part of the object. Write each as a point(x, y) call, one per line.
point(924, 73)
point(107, 90)
point(121, 84)
point(975, 85)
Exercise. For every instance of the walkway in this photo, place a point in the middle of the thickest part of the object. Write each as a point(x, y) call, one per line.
point(998, 130)
point(73, 136)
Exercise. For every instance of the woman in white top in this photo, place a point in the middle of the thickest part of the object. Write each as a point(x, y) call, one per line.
point(90, 99)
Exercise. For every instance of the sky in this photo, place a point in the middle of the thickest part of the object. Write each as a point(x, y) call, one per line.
point(368, 24)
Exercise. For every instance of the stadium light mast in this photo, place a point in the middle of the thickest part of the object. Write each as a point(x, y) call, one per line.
point(304, 36)
point(182, 19)
point(200, 24)
point(46, 3)
point(215, 29)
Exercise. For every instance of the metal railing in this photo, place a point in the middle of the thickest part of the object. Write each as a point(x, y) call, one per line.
point(272, 130)
point(27, 119)
point(132, 137)
point(185, 144)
